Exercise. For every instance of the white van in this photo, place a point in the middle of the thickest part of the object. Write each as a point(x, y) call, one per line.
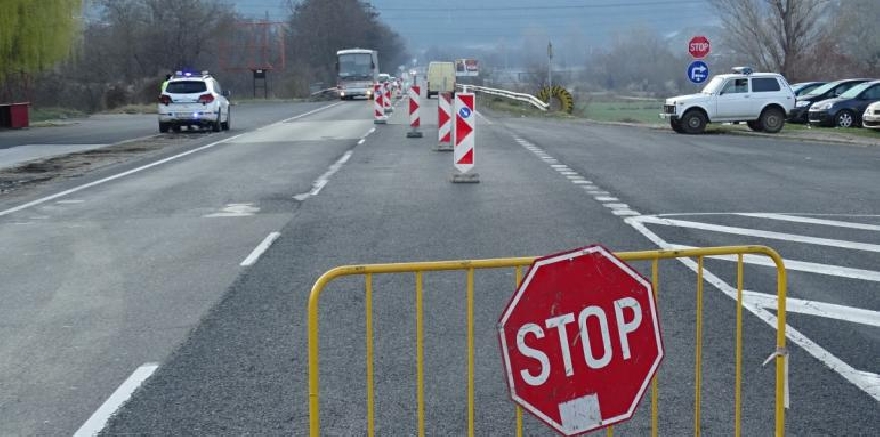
point(441, 78)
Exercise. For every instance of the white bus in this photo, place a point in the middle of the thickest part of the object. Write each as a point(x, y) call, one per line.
point(357, 71)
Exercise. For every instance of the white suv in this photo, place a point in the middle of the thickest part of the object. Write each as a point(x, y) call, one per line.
point(195, 101)
point(761, 100)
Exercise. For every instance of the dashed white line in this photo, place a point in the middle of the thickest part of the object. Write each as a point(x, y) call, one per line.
point(260, 249)
point(99, 419)
point(607, 199)
point(322, 180)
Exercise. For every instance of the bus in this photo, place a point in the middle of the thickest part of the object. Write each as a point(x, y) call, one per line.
point(357, 70)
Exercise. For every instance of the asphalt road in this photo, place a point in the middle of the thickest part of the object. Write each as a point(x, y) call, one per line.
point(137, 269)
point(100, 281)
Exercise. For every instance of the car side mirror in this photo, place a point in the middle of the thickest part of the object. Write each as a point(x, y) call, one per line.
point(226, 93)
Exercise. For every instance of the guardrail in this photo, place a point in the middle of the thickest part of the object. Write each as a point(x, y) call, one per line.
point(522, 97)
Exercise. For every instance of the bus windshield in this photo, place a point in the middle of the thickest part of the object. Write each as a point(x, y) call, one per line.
point(356, 66)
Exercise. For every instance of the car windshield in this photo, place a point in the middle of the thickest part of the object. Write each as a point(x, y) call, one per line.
point(186, 87)
point(823, 89)
point(855, 91)
point(713, 86)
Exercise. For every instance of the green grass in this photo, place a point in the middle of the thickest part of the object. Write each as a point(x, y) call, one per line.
point(622, 111)
point(862, 132)
point(38, 115)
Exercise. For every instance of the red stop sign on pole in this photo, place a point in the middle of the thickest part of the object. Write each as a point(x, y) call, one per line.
point(699, 47)
point(580, 340)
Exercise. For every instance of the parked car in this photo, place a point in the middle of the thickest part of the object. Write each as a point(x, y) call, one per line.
point(847, 109)
point(802, 88)
point(871, 117)
point(761, 100)
point(800, 113)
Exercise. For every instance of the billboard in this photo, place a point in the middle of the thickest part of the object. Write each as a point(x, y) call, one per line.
point(467, 67)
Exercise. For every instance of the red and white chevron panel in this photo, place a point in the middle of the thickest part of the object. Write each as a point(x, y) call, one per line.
point(465, 126)
point(414, 103)
point(444, 117)
point(387, 99)
point(378, 104)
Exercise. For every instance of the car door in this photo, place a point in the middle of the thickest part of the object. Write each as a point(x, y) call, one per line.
point(733, 102)
point(766, 90)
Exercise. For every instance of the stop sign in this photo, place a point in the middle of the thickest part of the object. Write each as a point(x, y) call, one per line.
point(580, 340)
point(699, 47)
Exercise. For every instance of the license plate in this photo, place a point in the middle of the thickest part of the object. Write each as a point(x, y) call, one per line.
point(184, 114)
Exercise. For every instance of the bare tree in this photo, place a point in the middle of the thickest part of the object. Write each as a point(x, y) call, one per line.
point(857, 36)
point(777, 34)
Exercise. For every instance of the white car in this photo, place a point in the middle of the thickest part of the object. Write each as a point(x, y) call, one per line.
point(871, 117)
point(195, 101)
point(761, 100)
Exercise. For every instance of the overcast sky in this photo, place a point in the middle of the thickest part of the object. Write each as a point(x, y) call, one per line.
point(489, 22)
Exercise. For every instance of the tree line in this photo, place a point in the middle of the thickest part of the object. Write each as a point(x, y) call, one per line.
point(101, 54)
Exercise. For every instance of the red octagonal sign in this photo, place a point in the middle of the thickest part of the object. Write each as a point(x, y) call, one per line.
point(580, 340)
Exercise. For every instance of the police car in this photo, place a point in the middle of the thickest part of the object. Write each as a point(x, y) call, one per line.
point(761, 100)
point(194, 100)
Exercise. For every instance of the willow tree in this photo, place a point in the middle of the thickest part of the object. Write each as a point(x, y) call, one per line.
point(36, 34)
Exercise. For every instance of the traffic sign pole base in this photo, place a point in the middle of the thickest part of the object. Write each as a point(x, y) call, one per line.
point(380, 121)
point(388, 110)
point(412, 134)
point(465, 178)
point(444, 147)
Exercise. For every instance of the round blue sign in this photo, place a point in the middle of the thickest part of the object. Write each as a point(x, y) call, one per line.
point(698, 72)
point(464, 112)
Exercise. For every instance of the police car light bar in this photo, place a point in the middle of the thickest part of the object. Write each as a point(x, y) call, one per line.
point(743, 70)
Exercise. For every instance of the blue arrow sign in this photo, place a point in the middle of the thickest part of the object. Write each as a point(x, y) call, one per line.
point(698, 72)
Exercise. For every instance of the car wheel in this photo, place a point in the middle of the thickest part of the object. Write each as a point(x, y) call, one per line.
point(755, 125)
point(217, 126)
point(225, 125)
point(176, 128)
point(693, 122)
point(845, 118)
point(676, 125)
point(772, 120)
point(163, 127)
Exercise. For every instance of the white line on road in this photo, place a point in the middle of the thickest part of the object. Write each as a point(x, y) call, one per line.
point(306, 114)
point(813, 308)
point(322, 180)
point(803, 266)
point(607, 199)
point(762, 234)
point(814, 221)
point(113, 177)
point(99, 419)
point(866, 381)
point(260, 249)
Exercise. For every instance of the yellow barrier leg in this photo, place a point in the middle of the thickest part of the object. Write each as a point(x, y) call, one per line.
point(470, 346)
point(420, 370)
point(699, 341)
point(519, 419)
point(739, 345)
point(368, 303)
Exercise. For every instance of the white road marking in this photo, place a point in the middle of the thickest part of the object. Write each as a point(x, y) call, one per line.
point(803, 266)
point(581, 182)
point(598, 192)
point(607, 199)
point(560, 166)
point(99, 419)
point(762, 234)
point(622, 212)
point(814, 221)
point(322, 180)
point(236, 210)
point(617, 205)
point(260, 249)
point(70, 201)
point(489, 122)
point(866, 381)
point(79, 188)
point(820, 309)
point(288, 120)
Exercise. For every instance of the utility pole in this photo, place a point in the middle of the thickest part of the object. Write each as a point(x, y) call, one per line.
point(550, 63)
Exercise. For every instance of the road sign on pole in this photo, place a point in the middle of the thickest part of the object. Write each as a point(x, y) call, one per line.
point(580, 340)
point(465, 128)
point(698, 72)
point(444, 122)
point(699, 47)
point(414, 120)
point(378, 105)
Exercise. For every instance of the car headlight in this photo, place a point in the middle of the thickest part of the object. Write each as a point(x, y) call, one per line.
point(802, 103)
point(822, 106)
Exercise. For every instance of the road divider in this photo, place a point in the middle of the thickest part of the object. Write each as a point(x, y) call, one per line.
point(444, 122)
point(465, 130)
point(378, 105)
point(386, 100)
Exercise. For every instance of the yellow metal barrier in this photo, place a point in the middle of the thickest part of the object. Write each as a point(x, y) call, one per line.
point(654, 256)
